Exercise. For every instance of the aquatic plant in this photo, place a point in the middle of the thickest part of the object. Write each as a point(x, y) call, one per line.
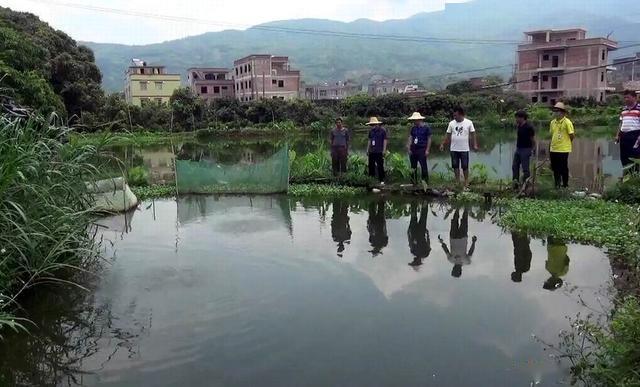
point(44, 207)
point(138, 176)
point(612, 225)
point(324, 190)
point(154, 191)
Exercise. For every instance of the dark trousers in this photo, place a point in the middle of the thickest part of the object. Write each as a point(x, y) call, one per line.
point(627, 151)
point(521, 158)
point(376, 164)
point(560, 167)
point(419, 158)
point(338, 159)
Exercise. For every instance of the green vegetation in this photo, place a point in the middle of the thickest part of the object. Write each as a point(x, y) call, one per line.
point(44, 209)
point(324, 190)
point(154, 191)
point(627, 191)
point(614, 226)
point(138, 176)
point(44, 68)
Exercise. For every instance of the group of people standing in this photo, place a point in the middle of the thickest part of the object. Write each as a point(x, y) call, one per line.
point(462, 138)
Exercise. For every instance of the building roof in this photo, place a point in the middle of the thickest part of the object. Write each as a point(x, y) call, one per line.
point(212, 69)
point(555, 31)
point(252, 56)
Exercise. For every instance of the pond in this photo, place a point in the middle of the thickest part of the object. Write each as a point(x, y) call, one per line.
point(593, 163)
point(272, 291)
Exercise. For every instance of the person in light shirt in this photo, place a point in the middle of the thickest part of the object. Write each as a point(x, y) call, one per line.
point(459, 133)
point(628, 135)
point(459, 238)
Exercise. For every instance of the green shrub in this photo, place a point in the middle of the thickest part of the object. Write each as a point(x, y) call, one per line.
point(138, 176)
point(627, 191)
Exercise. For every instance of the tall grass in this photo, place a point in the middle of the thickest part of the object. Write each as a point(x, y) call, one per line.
point(45, 209)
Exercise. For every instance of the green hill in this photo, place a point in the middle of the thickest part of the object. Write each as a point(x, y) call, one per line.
point(335, 57)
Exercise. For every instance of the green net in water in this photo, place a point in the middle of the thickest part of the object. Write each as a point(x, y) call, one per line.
point(268, 176)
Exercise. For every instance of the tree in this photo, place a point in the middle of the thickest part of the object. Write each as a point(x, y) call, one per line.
point(187, 108)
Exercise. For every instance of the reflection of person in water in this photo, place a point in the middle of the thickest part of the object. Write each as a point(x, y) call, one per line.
point(340, 230)
point(557, 263)
point(377, 227)
point(459, 239)
point(521, 255)
point(418, 235)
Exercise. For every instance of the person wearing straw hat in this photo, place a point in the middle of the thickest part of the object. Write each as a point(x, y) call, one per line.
point(376, 148)
point(562, 135)
point(418, 146)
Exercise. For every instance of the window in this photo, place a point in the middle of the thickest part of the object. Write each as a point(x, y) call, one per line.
point(545, 57)
point(144, 101)
point(534, 99)
point(545, 98)
point(545, 78)
point(601, 97)
point(216, 89)
point(209, 77)
point(158, 85)
point(274, 82)
point(225, 88)
point(604, 55)
point(602, 76)
point(245, 68)
point(142, 71)
point(535, 79)
point(554, 82)
point(236, 71)
point(203, 89)
point(220, 77)
point(143, 85)
point(281, 83)
point(249, 67)
point(241, 85)
point(194, 75)
point(158, 100)
point(249, 84)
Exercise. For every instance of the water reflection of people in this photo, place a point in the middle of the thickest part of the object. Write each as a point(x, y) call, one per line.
point(418, 235)
point(340, 229)
point(557, 263)
point(459, 239)
point(377, 227)
point(521, 255)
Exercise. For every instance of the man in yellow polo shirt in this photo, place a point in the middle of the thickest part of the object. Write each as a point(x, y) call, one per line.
point(562, 135)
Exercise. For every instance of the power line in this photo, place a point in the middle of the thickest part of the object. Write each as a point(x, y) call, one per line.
point(563, 74)
point(403, 38)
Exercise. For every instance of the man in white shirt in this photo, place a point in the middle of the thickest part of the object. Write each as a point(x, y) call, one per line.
point(628, 135)
point(459, 132)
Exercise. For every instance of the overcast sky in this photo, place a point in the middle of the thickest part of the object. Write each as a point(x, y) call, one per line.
point(107, 26)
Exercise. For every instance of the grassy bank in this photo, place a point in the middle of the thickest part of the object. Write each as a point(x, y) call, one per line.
point(44, 209)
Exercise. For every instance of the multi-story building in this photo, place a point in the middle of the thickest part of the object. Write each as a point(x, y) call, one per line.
point(557, 64)
point(331, 90)
point(265, 76)
point(145, 83)
point(210, 82)
point(626, 73)
point(390, 86)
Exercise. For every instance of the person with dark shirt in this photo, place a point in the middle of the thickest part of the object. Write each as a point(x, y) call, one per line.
point(418, 146)
point(340, 229)
point(377, 227)
point(376, 149)
point(339, 141)
point(418, 235)
point(521, 255)
point(524, 147)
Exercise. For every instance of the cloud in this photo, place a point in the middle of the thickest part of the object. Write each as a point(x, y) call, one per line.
point(104, 26)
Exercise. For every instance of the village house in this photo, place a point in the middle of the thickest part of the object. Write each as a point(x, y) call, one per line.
point(211, 82)
point(145, 83)
point(265, 76)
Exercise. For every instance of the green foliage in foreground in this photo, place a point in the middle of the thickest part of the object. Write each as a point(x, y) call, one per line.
point(44, 208)
point(605, 352)
point(322, 190)
point(612, 225)
point(625, 192)
point(154, 191)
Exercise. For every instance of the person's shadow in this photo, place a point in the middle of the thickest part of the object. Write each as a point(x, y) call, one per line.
point(521, 255)
point(340, 229)
point(377, 227)
point(459, 238)
point(557, 263)
point(418, 235)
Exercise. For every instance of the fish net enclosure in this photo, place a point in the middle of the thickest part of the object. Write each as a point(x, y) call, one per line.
point(270, 175)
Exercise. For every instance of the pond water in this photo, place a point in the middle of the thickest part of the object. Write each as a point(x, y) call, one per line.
point(272, 291)
point(593, 163)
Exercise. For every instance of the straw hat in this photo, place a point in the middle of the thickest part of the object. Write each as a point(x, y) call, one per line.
point(416, 116)
point(374, 121)
point(559, 106)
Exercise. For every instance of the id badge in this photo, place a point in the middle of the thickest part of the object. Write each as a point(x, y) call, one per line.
point(415, 141)
point(373, 142)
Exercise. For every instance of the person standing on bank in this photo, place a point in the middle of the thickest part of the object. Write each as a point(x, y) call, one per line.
point(418, 146)
point(562, 136)
point(376, 148)
point(459, 133)
point(524, 148)
point(628, 135)
point(339, 142)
